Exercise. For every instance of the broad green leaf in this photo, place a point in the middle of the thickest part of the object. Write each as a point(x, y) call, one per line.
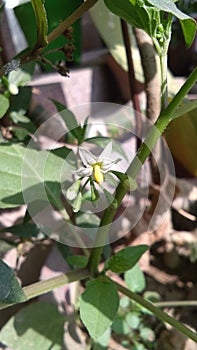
point(99, 305)
point(135, 279)
point(10, 290)
point(21, 101)
point(186, 107)
point(41, 23)
point(137, 14)
point(40, 171)
point(120, 326)
point(4, 105)
point(25, 230)
point(126, 258)
point(36, 326)
point(77, 260)
point(102, 342)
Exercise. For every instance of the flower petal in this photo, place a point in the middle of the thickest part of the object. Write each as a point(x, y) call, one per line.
point(107, 151)
point(86, 156)
point(107, 164)
point(82, 172)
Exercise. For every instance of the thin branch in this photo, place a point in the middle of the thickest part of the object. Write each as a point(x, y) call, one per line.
point(43, 287)
point(157, 312)
point(85, 6)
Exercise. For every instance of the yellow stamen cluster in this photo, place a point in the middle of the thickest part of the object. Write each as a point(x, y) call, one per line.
point(97, 173)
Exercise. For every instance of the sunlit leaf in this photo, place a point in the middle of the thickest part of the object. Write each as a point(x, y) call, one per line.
point(126, 258)
point(99, 305)
point(135, 279)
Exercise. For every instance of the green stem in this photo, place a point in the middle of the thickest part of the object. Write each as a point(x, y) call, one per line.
point(164, 86)
point(43, 287)
point(143, 152)
point(174, 303)
point(157, 312)
point(70, 20)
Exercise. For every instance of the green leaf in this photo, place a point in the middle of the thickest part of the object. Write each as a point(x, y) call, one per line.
point(186, 107)
point(41, 23)
point(99, 305)
point(77, 260)
point(133, 320)
point(39, 168)
point(36, 326)
point(147, 334)
point(139, 14)
point(135, 279)
point(120, 326)
point(102, 342)
point(126, 258)
point(23, 230)
point(10, 290)
point(23, 99)
point(124, 302)
point(4, 105)
point(188, 24)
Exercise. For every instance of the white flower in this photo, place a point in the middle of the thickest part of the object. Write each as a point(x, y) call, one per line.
point(96, 166)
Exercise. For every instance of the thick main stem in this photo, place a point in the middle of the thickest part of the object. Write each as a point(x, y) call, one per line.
point(164, 86)
point(144, 151)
